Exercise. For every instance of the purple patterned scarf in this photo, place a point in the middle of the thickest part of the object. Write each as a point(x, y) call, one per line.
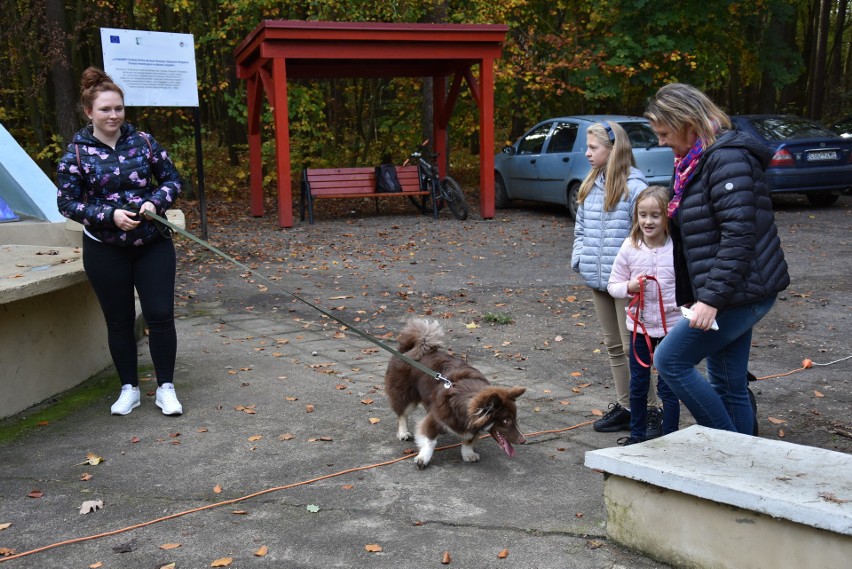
point(684, 169)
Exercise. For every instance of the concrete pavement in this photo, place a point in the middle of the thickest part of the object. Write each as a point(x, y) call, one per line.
point(273, 400)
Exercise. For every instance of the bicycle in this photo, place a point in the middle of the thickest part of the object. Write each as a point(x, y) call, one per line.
point(444, 190)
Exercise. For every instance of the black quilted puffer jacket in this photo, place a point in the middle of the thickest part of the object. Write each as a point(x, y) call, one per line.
point(726, 246)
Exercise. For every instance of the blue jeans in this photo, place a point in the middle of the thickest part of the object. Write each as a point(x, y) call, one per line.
point(720, 400)
point(640, 384)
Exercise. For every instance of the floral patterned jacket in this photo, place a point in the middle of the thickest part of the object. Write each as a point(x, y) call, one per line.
point(93, 180)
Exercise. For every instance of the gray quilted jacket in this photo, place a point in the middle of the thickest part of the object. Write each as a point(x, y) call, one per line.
point(598, 234)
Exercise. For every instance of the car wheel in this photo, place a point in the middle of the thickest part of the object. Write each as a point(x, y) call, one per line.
point(822, 199)
point(573, 206)
point(501, 198)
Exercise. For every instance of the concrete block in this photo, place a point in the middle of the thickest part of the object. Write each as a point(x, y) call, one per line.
point(707, 498)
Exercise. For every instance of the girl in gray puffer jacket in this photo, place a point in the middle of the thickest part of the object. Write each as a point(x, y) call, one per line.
point(607, 197)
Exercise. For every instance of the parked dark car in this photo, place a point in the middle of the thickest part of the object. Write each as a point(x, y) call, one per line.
point(809, 158)
point(843, 127)
point(548, 163)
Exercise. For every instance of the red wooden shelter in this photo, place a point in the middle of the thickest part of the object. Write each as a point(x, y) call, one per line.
point(278, 50)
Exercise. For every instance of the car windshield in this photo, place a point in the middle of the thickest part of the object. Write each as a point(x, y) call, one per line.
point(640, 134)
point(786, 128)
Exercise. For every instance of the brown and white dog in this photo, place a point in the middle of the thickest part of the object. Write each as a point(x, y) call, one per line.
point(469, 408)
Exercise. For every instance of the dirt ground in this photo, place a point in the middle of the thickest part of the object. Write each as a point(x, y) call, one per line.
point(375, 269)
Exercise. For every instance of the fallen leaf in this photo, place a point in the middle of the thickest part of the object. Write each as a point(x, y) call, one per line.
point(818, 393)
point(345, 487)
point(374, 420)
point(85, 477)
point(96, 565)
point(309, 408)
point(168, 546)
point(775, 421)
point(367, 401)
point(5, 526)
point(171, 565)
point(35, 494)
point(262, 551)
point(597, 412)
point(829, 497)
point(781, 433)
point(255, 438)
point(286, 437)
point(93, 459)
point(91, 506)
point(201, 429)
point(446, 559)
point(373, 547)
point(222, 562)
point(135, 440)
point(576, 373)
point(4, 551)
point(471, 326)
point(217, 489)
point(594, 543)
point(503, 554)
point(240, 512)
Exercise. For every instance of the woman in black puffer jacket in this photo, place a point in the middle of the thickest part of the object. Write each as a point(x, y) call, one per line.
point(729, 264)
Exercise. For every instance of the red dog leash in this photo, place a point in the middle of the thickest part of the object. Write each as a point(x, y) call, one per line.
point(637, 305)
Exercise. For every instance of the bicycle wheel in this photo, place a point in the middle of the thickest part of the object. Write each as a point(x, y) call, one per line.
point(453, 196)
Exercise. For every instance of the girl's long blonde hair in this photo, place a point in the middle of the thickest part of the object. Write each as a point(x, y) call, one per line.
point(617, 166)
point(661, 195)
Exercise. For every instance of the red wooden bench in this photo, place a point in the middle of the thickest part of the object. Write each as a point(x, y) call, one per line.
point(321, 183)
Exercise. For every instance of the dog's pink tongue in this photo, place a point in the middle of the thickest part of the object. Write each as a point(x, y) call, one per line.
point(504, 444)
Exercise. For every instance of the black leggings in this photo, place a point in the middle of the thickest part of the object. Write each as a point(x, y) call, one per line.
point(114, 272)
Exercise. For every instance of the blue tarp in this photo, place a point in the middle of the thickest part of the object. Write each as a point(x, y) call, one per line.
point(6, 213)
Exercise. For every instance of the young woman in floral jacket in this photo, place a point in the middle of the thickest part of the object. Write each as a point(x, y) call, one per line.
point(110, 176)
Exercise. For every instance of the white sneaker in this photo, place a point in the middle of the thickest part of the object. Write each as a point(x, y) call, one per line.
point(167, 400)
point(127, 401)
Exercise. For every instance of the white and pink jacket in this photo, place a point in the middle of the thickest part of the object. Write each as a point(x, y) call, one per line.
point(632, 262)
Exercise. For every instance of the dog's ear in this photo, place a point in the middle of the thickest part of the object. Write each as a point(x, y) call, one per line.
point(516, 392)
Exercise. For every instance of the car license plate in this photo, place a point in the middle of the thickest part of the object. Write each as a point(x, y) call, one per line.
point(820, 155)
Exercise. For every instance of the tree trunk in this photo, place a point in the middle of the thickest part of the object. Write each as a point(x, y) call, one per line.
point(60, 71)
point(817, 90)
point(834, 94)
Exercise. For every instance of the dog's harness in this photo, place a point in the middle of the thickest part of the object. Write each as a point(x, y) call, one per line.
point(634, 312)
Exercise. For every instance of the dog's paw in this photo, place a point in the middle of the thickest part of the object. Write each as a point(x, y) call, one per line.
point(421, 462)
point(470, 457)
point(405, 436)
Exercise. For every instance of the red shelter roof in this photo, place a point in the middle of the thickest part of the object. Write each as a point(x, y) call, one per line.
point(278, 50)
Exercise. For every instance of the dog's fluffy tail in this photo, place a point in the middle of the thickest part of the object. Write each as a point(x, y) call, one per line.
point(420, 337)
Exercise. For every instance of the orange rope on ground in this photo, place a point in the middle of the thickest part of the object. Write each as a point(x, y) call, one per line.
point(247, 497)
point(806, 364)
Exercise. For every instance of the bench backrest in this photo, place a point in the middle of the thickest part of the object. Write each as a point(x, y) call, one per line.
point(330, 181)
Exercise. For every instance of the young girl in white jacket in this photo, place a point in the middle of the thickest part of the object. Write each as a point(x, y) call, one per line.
point(644, 271)
point(607, 197)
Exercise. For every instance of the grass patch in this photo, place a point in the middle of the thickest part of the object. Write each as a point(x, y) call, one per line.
point(497, 318)
point(60, 406)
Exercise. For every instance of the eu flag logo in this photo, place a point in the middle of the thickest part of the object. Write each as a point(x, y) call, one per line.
point(114, 39)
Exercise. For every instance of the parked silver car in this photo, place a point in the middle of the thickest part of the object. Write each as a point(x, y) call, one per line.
point(548, 163)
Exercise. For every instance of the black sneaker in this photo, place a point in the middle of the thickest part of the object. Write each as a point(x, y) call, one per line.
point(616, 419)
point(627, 441)
point(654, 427)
